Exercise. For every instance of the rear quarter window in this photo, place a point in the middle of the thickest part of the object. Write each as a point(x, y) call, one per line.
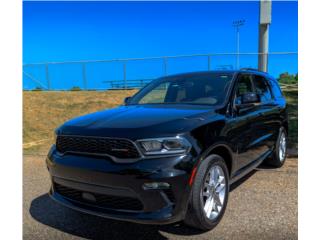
point(276, 90)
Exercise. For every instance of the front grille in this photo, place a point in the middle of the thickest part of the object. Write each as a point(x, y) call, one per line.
point(120, 148)
point(101, 200)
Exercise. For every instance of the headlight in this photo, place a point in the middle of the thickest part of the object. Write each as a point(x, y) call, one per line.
point(161, 146)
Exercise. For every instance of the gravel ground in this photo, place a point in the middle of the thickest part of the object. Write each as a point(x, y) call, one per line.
point(263, 205)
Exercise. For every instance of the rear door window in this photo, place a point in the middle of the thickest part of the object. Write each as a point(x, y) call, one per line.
point(262, 88)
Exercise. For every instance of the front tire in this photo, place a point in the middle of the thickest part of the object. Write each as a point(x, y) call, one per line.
point(209, 195)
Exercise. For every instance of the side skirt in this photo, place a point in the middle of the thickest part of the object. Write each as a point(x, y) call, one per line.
point(247, 169)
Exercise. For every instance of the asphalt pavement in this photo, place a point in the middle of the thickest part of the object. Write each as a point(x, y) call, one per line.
point(263, 205)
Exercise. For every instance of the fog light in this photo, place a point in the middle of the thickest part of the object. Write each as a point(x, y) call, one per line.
point(156, 185)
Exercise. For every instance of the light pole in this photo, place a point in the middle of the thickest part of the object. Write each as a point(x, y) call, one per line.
point(237, 24)
point(264, 23)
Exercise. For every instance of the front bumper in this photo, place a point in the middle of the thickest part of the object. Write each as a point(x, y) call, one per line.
point(118, 187)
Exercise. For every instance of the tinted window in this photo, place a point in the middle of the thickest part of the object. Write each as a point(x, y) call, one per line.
point(262, 88)
point(244, 86)
point(157, 95)
point(276, 89)
point(197, 89)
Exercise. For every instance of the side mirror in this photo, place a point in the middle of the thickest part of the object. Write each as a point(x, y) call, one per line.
point(250, 98)
point(126, 100)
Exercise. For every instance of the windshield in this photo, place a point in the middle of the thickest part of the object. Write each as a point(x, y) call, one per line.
point(202, 89)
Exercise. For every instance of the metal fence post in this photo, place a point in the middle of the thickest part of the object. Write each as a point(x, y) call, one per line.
point(125, 75)
point(84, 76)
point(165, 63)
point(47, 77)
point(209, 62)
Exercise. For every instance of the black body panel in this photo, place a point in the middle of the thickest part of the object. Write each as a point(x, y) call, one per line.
point(98, 166)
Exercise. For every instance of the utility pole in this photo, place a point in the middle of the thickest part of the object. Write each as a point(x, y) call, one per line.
point(265, 21)
point(237, 24)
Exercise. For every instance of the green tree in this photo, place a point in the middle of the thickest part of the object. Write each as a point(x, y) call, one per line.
point(288, 78)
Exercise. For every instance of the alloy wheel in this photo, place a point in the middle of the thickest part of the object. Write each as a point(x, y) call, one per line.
point(282, 147)
point(213, 192)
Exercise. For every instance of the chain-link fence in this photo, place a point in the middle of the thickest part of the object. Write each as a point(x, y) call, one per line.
point(136, 72)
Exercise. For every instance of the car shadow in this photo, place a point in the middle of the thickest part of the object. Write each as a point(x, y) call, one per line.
point(46, 211)
point(242, 180)
point(263, 166)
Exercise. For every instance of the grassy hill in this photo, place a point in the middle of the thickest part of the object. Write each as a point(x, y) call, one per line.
point(44, 111)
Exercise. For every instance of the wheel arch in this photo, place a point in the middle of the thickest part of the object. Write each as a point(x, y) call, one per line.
point(224, 151)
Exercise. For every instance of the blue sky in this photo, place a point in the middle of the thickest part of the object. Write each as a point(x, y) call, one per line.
point(63, 31)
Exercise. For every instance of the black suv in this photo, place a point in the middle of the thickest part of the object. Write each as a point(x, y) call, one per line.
point(171, 151)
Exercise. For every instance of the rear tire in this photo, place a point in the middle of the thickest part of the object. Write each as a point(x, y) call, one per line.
point(209, 194)
point(280, 150)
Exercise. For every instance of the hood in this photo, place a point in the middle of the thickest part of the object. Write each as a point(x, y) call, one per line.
point(137, 121)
